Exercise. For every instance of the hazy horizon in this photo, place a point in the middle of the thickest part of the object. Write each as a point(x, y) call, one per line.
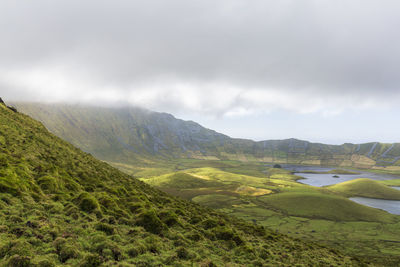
point(213, 123)
point(320, 71)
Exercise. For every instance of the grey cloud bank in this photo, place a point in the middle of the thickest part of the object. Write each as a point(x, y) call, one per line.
point(222, 58)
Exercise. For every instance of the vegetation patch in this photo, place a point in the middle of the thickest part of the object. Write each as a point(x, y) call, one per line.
point(87, 202)
point(324, 206)
point(366, 188)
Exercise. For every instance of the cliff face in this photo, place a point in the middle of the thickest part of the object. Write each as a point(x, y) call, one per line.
point(129, 134)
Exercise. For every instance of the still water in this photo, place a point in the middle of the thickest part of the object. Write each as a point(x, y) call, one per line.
point(391, 206)
point(319, 180)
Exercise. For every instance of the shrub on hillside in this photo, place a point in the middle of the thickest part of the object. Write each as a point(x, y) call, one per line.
point(6, 187)
point(106, 228)
point(183, 253)
point(68, 251)
point(19, 261)
point(168, 217)
point(149, 220)
point(87, 202)
point(91, 260)
point(225, 233)
point(48, 184)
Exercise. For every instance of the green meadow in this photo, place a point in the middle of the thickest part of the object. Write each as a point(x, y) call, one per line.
point(273, 198)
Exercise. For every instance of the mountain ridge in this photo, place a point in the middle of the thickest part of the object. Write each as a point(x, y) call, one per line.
point(128, 134)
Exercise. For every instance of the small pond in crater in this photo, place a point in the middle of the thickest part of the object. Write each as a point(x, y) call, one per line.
point(324, 179)
point(392, 206)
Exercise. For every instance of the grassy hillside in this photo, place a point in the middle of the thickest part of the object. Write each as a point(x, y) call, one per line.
point(271, 197)
point(127, 136)
point(366, 188)
point(323, 206)
point(61, 206)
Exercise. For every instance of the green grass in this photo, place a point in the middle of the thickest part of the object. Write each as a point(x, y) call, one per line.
point(61, 206)
point(299, 210)
point(366, 188)
point(334, 171)
point(323, 206)
point(217, 201)
point(181, 180)
point(395, 182)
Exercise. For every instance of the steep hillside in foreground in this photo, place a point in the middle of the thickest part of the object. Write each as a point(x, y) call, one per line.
point(59, 205)
point(126, 135)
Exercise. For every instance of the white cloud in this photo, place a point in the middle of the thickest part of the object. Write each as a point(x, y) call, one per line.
point(216, 58)
point(172, 95)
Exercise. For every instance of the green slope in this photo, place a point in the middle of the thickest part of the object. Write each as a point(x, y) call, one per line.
point(59, 205)
point(366, 188)
point(324, 206)
point(126, 136)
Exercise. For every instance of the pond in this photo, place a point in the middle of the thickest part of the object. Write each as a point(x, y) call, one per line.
point(392, 206)
point(317, 179)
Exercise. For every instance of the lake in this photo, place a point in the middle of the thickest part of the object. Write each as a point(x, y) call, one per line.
point(314, 179)
point(319, 180)
point(392, 206)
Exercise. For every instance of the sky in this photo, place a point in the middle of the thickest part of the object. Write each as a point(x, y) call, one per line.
point(323, 71)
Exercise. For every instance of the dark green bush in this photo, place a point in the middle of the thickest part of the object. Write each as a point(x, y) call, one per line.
point(135, 251)
point(59, 243)
point(87, 202)
point(68, 251)
point(3, 161)
point(45, 263)
point(20, 247)
point(264, 254)
point(65, 249)
point(4, 248)
point(91, 260)
point(19, 261)
point(168, 217)
point(225, 233)
point(106, 228)
point(149, 220)
point(135, 206)
point(48, 184)
point(107, 201)
point(195, 236)
point(7, 188)
point(209, 223)
point(183, 253)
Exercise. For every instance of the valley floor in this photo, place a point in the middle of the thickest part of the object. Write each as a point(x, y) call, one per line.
point(272, 197)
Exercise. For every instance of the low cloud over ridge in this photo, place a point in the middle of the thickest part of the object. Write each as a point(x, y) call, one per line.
point(223, 58)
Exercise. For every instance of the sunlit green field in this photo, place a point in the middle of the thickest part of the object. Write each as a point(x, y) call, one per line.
point(272, 197)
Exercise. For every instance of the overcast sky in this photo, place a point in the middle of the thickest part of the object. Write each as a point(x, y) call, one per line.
point(319, 70)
